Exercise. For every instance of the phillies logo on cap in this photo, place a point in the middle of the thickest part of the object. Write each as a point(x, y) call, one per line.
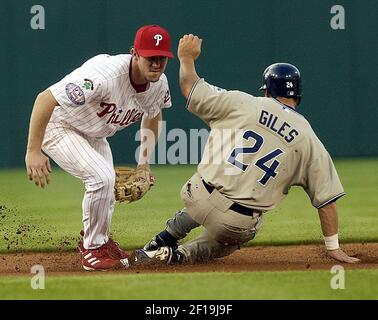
point(153, 41)
point(158, 38)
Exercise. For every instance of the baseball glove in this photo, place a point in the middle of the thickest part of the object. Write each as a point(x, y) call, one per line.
point(132, 184)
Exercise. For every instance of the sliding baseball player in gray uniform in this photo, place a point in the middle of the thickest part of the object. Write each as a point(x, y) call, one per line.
point(257, 149)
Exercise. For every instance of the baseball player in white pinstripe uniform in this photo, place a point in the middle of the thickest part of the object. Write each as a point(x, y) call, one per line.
point(72, 119)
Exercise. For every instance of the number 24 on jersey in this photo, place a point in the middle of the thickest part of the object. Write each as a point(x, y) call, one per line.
point(268, 171)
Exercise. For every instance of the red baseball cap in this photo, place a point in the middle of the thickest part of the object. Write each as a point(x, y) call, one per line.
point(152, 41)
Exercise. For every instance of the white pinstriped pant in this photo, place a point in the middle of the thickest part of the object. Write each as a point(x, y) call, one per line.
point(90, 160)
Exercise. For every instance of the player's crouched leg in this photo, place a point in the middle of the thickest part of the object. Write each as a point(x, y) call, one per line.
point(223, 236)
point(98, 206)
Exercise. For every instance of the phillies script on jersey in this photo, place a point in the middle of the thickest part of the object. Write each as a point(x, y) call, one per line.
point(118, 116)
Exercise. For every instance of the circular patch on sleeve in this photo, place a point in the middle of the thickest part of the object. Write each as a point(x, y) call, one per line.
point(75, 94)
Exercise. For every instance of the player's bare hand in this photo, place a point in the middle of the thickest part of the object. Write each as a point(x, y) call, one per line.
point(38, 168)
point(189, 47)
point(341, 256)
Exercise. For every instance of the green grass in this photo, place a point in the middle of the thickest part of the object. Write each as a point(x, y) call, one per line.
point(50, 219)
point(359, 284)
point(32, 219)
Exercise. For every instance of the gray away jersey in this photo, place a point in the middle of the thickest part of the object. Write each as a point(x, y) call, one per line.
point(98, 99)
point(258, 148)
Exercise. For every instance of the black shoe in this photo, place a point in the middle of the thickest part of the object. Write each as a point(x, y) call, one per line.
point(165, 255)
point(141, 256)
point(163, 239)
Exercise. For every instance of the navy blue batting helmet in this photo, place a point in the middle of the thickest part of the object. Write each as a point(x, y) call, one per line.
point(282, 80)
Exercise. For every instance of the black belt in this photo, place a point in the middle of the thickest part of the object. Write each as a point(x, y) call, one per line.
point(235, 206)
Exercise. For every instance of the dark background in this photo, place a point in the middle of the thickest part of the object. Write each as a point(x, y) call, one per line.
point(241, 38)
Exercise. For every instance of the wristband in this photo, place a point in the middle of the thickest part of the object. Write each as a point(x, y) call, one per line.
point(332, 242)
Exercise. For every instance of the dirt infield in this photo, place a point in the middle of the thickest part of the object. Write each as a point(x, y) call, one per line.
point(259, 258)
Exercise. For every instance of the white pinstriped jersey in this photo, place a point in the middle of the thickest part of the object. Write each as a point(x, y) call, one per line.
point(98, 99)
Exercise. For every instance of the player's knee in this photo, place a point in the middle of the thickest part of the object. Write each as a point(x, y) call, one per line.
point(109, 181)
point(229, 235)
point(102, 180)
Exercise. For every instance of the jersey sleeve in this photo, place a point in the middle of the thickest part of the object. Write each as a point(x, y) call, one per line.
point(77, 89)
point(207, 101)
point(322, 183)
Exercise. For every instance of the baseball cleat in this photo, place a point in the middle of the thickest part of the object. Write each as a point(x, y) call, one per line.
point(99, 260)
point(115, 251)
point(163, 255)
point(141, 256)
point(113, 248)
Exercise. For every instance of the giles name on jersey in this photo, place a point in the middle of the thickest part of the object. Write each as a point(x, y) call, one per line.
point(279, 127)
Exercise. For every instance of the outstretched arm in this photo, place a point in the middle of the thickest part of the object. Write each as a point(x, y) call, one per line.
point(330, 225)
point(189, 50)
point(37, 164)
